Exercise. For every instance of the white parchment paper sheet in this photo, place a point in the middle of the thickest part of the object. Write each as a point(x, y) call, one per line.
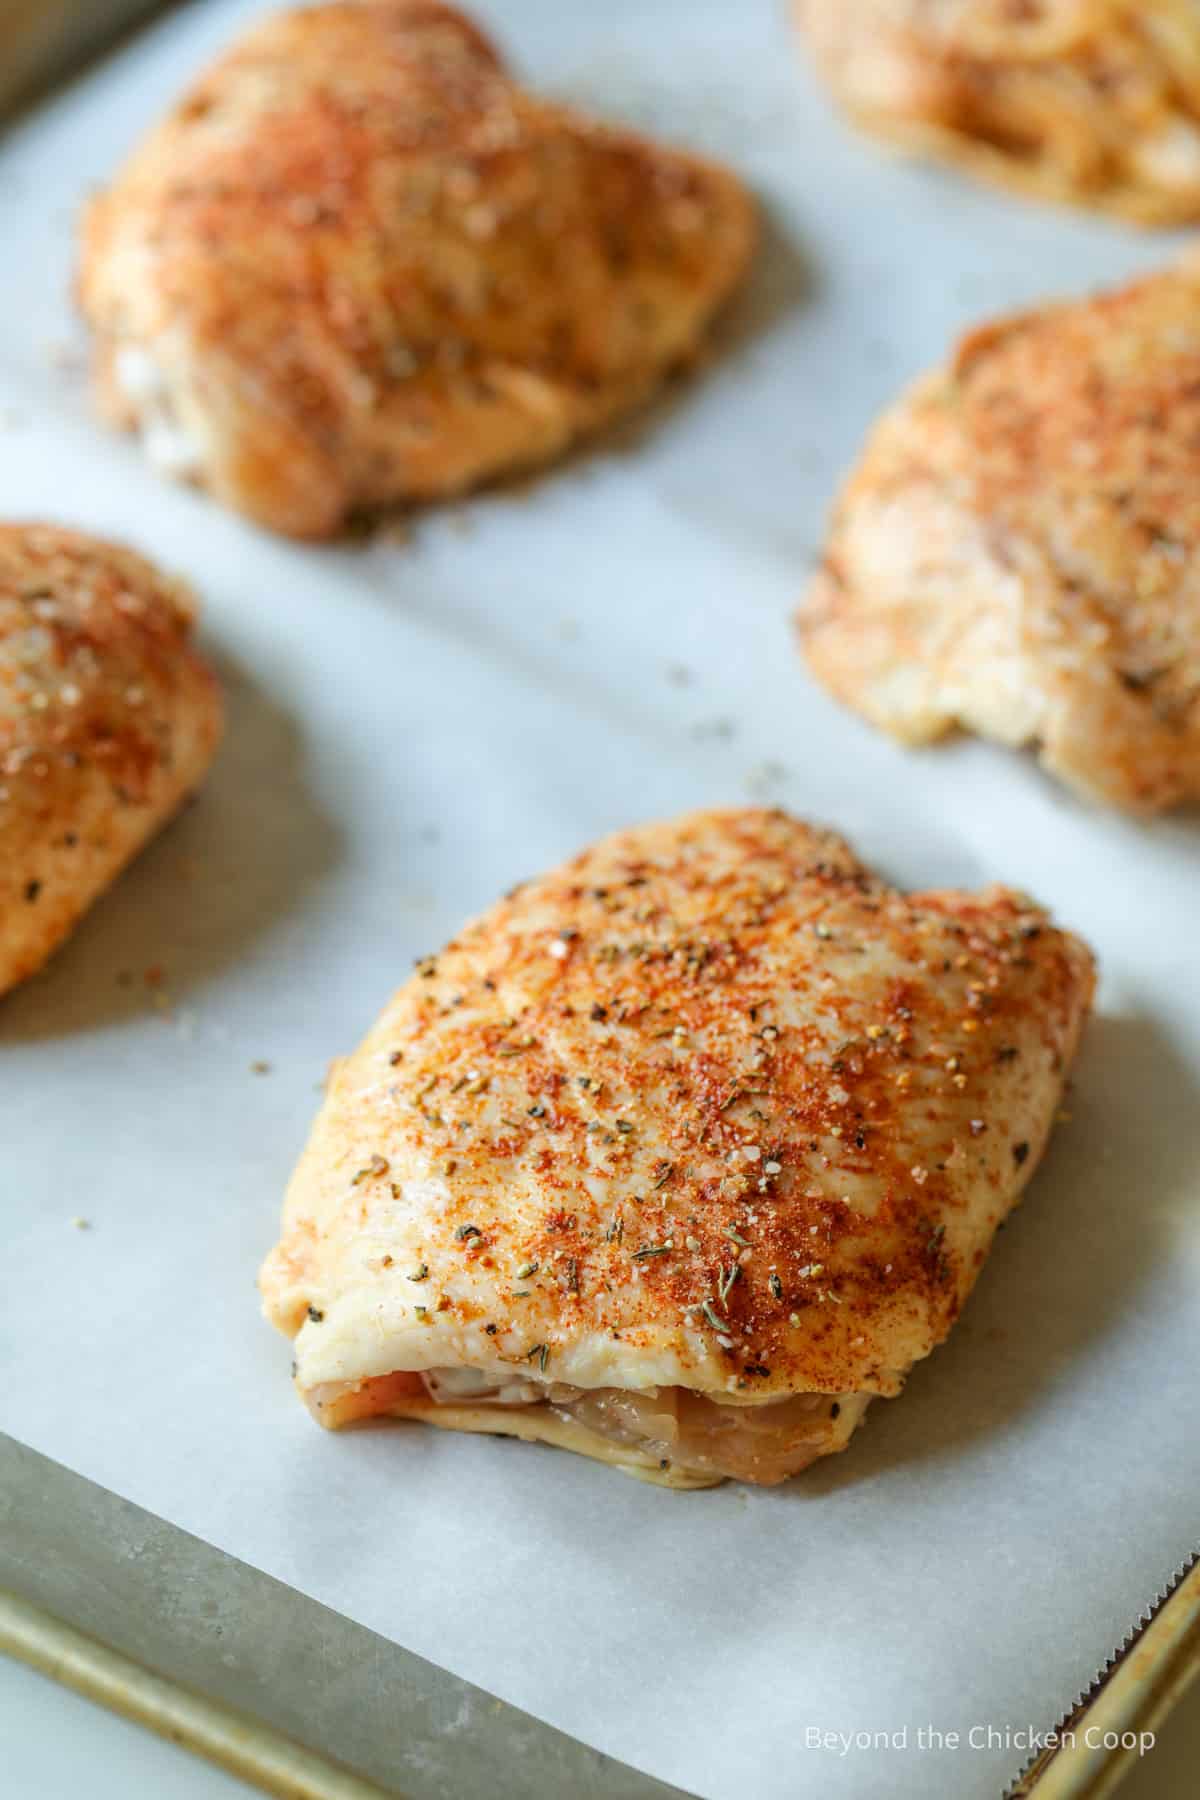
point(415, 726)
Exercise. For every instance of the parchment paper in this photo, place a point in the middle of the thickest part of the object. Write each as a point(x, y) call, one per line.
point(414, 726)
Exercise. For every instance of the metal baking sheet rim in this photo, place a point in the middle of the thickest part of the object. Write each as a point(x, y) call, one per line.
point(244, 1746)
point(1092, 1751)
point(1148, 1678)
point(224, 1660)
point(1097, 1744)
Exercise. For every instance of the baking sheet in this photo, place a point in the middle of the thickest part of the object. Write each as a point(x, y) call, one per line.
point(418, 721)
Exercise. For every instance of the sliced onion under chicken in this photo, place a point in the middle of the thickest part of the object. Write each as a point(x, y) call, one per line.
point(671, 1426)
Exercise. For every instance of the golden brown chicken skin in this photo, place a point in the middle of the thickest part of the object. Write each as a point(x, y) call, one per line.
point(358, 264)
point(680, 1154)
point(1090, 102)
point(1018, 549)
point(108, 719)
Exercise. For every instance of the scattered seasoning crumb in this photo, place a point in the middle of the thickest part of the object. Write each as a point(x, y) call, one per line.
point(526, 1270)
point(81, 1224)
point(315, 1314)
point(259, 1067)
point(776, 1286)
point(467, 1231)
point(1020, 1152)
point(720, 730)
point(421, 1274)
point(68, 357)
point(765, 776)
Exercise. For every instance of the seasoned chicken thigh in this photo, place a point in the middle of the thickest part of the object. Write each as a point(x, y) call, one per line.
point(1018, 550)
point(1095, 102)
point(358, 264)
point(108, 720)
point(678, 1155)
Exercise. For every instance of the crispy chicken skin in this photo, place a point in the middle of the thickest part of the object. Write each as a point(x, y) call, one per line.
point(357, 264)
point(108, 719)
point(679, 1154)
point(1018, 550)
point(1092, 102)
